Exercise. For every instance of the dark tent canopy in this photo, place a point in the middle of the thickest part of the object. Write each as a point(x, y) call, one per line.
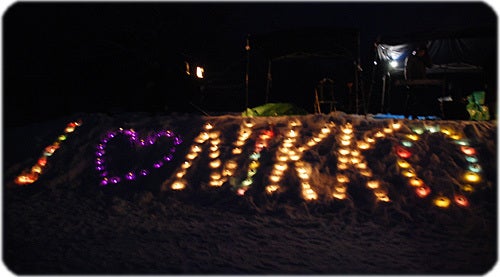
point(312, 42)
point(292, 62)
point(453, 50)
point(464, 60)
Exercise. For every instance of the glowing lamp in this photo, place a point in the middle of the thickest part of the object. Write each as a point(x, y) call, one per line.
point(446, 131)
point(186, 164)
point(403, 163)
point(380, 193)
point(281, 166)
point(379, 134)
point(247, 182)
point(268, 134)
point(468, 150)
point(248, 123)
point(363, 145)
point(355, 153)
point(347, 130)
point(471, 159)
point(423, 191)
point(409, 173)
point(387, 130)
point(396, 125)
point(442, 202)
point(309, 194)
point(362, 165)
point(343, 159)
point(418, 130)
point(311, 143)
point(215, 142)
point(191, 156)
point(27, 178)
point(344, 151)
point(373, 184)
point(241, 191)
point(231, 164)
point(472, 177)
point(61, 138)
point(366, 173)
point(36, 169)
point(42, 161)
point(215, 176)
point(294, 157)
point(461, 200)
point(237, 150)
point(49, 150)
point(239, 142)
point(340, 188)
point(406, 143)
point(467, 188)
point(180, 174)
point(369, 140)
point(208, 126)
point(383, 198)
point(342, 178)
point(215, 163)
point(416, 182)
point(475, 168)
point(432, 128)
point(274, 178)
point(412, 137)
point(325, 130)
point(214, 154)
point(70, 128)
point(403, 152)
point(342, 166)
point(345, 142)
point(355, 160)
point(216, 183)
point(340, 196)
point(200, 72)
point(271, 188)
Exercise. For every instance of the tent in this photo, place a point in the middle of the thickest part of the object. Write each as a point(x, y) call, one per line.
point(464, 60)
point(293, 61)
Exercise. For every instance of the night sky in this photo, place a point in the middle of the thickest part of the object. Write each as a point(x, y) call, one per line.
point(64, 58)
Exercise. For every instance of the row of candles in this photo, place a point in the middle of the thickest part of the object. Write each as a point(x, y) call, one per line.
point(288, 154)
point(30, 176)
point(422, 190)
point(131, 134)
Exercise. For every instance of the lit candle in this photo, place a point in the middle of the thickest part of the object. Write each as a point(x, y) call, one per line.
point(472, 177)
point(442, 202)
point(468, 150)
point(416, 182)
point(461, 200)
point(423, 191)
point(373, 184)
point(178, 185)
point(271, 188)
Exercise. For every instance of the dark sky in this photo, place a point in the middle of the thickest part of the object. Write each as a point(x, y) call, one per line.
point(71, 49)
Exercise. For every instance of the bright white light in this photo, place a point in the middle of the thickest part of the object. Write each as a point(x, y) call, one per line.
point(375, 62)
point(200, 72)
point(394, 64)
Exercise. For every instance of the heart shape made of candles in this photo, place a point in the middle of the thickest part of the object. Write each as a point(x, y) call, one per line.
point(101, 163)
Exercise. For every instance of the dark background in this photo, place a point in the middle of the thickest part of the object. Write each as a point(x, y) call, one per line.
point(70, 57)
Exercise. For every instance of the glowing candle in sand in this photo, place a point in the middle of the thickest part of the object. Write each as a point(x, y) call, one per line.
point(461, 200)
point(442, 202)
point(422, 191)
